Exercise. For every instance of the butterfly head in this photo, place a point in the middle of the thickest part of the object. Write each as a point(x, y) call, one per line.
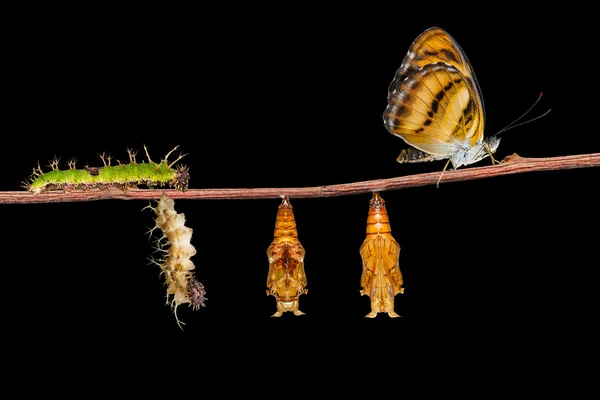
point(492, 143)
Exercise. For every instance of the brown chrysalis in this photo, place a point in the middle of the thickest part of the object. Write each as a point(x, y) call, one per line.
point(286, 280)
point(381, 278)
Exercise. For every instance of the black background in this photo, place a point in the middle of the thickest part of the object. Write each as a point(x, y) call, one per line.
point(293, 99)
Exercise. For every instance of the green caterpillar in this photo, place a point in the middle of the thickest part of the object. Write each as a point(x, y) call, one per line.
point(122, 176)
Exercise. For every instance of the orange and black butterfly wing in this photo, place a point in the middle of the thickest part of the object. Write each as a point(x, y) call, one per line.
point(436, 109)
point(432, 46)
point(434, 101)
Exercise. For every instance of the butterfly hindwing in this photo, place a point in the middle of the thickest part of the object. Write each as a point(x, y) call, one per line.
point(436, 110)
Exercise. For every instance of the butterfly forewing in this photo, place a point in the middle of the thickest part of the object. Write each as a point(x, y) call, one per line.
point(432, 46)
point(436, 110)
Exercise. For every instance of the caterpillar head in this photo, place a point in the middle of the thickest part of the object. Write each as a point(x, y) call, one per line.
point(196, 292)
point(182, 178)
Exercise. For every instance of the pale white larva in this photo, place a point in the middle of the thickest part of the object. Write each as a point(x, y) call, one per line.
point(177, 267)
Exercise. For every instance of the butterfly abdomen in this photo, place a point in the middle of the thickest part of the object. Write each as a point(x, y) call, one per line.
point(412, 155)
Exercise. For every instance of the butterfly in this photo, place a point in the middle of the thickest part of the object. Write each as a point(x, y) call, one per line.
point(435, 104)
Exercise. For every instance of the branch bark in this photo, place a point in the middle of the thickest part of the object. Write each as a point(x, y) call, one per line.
point(510, 165)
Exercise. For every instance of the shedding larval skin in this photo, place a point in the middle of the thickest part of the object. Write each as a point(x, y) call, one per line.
point(177, 265)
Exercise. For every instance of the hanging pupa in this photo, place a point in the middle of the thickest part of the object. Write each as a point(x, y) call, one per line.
point(381, 278)
point(286, 280)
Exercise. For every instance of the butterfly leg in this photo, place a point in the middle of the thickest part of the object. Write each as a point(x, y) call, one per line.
point(494, 161)
point(442, 174)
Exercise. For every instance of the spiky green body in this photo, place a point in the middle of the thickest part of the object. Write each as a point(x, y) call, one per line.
point(121, 176)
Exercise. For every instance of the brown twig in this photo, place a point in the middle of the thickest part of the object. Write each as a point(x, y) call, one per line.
point(510, 165)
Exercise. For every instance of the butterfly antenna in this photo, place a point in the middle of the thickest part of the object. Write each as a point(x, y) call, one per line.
point(512, 124)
